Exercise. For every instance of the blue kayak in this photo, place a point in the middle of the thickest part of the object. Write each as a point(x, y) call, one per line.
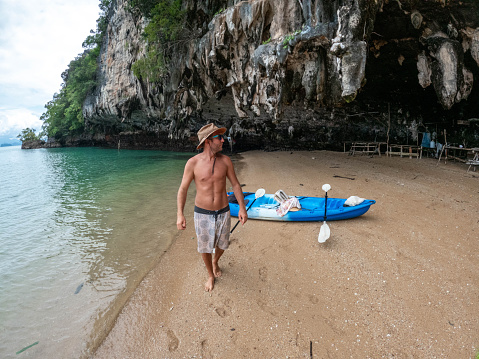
point(312, 208)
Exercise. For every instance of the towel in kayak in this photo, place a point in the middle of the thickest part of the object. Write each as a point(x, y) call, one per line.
point(285, 206)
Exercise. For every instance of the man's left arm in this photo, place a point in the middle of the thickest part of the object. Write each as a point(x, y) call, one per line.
point(230, 173)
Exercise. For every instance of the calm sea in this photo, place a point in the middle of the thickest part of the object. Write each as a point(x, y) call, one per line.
point(79, 229)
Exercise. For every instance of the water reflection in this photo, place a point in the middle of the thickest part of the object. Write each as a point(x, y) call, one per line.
point(83, 231)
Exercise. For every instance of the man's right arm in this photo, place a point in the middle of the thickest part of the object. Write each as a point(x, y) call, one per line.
point(188, 176)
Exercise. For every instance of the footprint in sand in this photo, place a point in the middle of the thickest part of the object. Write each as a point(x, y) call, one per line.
point(234, 337)
point(298, 340)
point(173, 341)
point(221, 312)
point(263, 273)
point(224, 311)
point(205, 351)
point(265, 307)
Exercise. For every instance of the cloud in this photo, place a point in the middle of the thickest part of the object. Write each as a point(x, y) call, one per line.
point(15, 97)
point(38, 39)
point(12, 122)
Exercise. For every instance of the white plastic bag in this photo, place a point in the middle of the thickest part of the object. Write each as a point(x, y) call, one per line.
point(286, 206)
point(353, 201)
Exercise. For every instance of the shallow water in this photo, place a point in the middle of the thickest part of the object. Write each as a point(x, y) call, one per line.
point(79, 228)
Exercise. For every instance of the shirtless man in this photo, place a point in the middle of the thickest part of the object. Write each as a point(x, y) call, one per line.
point(209, 170)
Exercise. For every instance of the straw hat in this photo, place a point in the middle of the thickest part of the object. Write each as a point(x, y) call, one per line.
point(208, 130)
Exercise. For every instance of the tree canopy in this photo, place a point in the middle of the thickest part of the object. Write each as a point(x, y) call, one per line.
point(64, 113)
point(28, 134)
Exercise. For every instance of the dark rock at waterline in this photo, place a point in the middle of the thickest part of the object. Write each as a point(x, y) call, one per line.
point(29, 145)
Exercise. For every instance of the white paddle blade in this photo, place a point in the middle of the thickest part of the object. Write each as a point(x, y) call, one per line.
point(326, 187)
point(324, 233)
point(259, 193)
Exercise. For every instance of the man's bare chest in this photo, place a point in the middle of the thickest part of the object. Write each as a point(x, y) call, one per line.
point(210, 172)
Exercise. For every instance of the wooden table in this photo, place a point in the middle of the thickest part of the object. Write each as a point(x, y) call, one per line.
point(475, 160)
point(457, 153)
point(469, 156)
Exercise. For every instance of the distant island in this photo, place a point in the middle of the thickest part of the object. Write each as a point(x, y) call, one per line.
point(6, 144)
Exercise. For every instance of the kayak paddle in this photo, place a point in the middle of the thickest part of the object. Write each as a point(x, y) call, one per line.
point(259, 193)
point(324, 232)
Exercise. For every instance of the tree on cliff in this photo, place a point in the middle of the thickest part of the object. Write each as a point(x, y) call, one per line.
point(28, 134)
point(64, 113)
point(96, 37)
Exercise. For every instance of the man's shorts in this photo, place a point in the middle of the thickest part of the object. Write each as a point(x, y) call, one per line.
point(212, 229)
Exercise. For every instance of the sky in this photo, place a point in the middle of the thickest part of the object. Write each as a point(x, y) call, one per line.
point(38, 39)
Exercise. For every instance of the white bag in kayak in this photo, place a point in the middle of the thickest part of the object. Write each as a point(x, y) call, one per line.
point(287, 205)
point(353, 201)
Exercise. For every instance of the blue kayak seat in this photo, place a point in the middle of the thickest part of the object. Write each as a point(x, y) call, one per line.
point(232, 198)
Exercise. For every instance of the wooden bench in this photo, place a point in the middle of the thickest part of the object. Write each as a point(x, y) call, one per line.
point(365, 148)
point(405, 150)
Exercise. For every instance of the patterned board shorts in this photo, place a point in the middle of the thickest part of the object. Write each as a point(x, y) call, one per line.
point(212, 229)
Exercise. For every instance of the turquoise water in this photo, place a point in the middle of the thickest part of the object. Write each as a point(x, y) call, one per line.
point(79, 228)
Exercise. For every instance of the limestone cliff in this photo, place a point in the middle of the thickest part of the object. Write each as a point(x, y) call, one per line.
point(293, 74)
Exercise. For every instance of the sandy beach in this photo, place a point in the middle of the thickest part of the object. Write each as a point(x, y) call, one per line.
point(401, 281)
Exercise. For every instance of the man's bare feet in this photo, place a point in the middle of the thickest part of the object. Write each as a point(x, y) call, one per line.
point(210, 284)
point(216, 270)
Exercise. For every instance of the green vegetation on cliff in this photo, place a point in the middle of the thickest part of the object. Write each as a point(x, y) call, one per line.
point(28, 134)
point(64, 113)
point(63, 116)
point(166, 21)
point(96, 37)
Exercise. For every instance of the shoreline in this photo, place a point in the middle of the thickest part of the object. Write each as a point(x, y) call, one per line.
point(401, 279)
point(103, 328)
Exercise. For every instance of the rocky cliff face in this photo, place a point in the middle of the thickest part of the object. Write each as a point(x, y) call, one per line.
point(294, 74)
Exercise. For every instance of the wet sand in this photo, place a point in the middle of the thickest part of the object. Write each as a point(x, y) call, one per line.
point(400, 281)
